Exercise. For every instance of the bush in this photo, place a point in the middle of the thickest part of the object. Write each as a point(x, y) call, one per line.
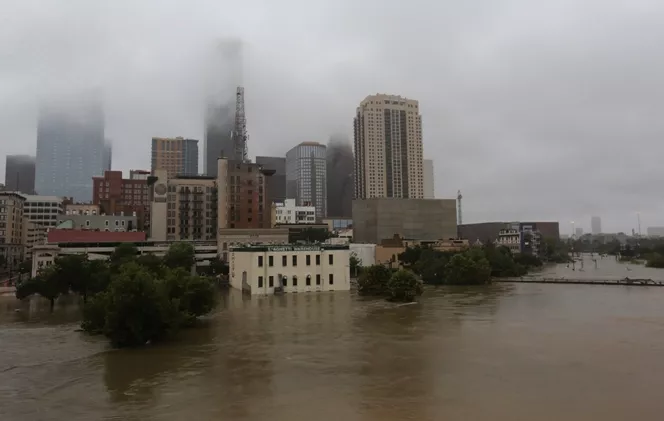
point(404, 286)
point(655, 260)
point(373, 281)
point(464, 270)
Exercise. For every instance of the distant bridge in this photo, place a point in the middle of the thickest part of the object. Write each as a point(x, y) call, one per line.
point(582, 281)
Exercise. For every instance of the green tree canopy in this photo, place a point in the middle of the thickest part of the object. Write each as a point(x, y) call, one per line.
point(180, 255)
point(404, 286)
point(135, 310)
point(122, 254)
point(410, 256)
point(48, 283)
point(152, 263)
point(373, 281)
point(465, 269)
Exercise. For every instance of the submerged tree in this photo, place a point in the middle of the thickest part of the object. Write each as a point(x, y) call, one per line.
point(48, 284)
point(135, 311)
point(404, 286)
point(373, 281)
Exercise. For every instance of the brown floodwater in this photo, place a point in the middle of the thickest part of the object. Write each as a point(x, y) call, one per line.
point(506, 352)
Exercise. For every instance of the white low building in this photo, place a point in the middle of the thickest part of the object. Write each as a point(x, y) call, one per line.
point(288, 213)
point(262, 269)
point(43, 210)
point(365, 253)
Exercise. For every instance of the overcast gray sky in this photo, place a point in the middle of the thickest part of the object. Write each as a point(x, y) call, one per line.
point(535, 109)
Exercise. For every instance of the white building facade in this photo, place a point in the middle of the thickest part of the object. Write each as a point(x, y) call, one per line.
point(289, 213)
point(264, 270)
point(43, 210)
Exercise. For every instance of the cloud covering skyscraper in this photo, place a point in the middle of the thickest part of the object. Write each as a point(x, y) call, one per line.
point(223, 78)
point(70, 147)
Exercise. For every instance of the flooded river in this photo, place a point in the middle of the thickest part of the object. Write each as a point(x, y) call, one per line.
point(504, 352)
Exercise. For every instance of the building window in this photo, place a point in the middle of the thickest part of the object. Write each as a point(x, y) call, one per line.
point(318, 260)
point(260, 261)
point(308, 279)
point(331, 278)
point(284, 261)
point(308, 260)
point(294, 281)
point(270, 281)
point(270, 261)
point(295, 260)
point(330, 259)
point(318, 279)
point(284, 281)
point(260, 282)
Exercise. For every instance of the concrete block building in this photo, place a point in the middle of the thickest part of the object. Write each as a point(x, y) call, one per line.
point(375, 220)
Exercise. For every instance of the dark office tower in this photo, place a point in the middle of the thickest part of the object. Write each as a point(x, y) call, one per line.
point(339, 177)
point(70, 147)
point(20, 173)
point(108, 154)
point(223, 79)
point(276, 184)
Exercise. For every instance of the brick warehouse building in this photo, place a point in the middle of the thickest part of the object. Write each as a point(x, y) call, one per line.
point(116, 195)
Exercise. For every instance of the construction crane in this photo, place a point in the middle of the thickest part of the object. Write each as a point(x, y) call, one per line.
point(240, 128)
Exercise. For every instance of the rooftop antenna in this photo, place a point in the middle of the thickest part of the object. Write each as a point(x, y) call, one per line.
point(240, 129)
point(459, 211)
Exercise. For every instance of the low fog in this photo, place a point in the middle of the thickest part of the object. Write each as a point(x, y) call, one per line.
point(534, 110)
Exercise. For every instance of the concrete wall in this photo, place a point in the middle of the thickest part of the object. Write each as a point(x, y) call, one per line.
point(365, 252)
point(422, 219)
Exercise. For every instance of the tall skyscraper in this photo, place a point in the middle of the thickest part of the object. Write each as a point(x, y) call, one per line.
point(223, 80)
point(178, 156)
point(108, 154)
point(428, 179)
point(596, 225)
point(20, 173)
point(306, 170)
point(340, 186)
point(70, 147)
point(276, 184)
point(388, 148)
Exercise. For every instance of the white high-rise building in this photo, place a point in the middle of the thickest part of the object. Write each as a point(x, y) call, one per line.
point(287, 212)
point(388, 148)
point(427, 172)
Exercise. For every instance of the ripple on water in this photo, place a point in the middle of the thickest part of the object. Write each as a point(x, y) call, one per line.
point(502, 352)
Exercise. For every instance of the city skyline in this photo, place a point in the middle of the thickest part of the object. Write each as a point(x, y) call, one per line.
point(479, 114)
